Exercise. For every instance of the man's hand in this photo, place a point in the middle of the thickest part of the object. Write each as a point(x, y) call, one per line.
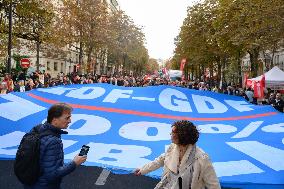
point(137, 172)
point(79, 159)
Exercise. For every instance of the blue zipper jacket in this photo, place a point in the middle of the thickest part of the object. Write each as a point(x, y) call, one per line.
point(52, 160)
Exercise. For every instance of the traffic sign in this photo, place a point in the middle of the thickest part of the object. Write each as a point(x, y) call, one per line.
point(25, 63)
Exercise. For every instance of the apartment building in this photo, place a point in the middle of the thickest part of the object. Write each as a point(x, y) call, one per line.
point(68, 60)
point(265, 59)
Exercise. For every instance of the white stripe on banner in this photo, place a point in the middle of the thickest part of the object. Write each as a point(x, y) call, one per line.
point(248, 130)
point(231, 168)
point(268, 155)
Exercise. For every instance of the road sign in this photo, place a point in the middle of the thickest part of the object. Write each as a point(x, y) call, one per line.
point(25, 63)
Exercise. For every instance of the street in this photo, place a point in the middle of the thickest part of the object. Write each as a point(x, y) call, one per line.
point(82, 178)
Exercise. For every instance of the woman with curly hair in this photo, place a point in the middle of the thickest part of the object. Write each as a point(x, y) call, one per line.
point(186, 166)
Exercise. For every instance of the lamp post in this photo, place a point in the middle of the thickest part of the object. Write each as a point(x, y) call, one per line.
point(10, 39)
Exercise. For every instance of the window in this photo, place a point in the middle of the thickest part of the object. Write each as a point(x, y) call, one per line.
point(281, 65)
point(61, 69)
point(277, 59)
point(48, 66)
point(55, 66)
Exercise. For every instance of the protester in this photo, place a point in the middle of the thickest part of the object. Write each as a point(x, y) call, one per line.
point(278, 103)
point(249, 94)
point(4, 86)
point(51, 151)
point(184, 163)
point(271, 99)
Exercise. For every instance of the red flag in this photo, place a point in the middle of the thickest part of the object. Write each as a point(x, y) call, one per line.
point(259, 87)
point(182, 64)
point(263, 81)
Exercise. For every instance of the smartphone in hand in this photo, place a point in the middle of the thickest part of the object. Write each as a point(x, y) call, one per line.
point(84, 150)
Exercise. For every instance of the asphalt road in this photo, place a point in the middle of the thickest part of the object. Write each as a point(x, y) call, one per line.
point(84, 177)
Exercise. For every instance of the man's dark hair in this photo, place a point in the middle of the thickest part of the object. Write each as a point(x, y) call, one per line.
point(56, 110)
point(186, 131)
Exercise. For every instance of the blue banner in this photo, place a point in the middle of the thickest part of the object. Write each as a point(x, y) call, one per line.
point(128, 127)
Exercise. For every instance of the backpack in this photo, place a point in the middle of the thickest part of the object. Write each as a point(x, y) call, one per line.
point(27, 165)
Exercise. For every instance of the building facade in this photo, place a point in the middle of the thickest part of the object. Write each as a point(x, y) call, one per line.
point(68, 60)
point(265, 59)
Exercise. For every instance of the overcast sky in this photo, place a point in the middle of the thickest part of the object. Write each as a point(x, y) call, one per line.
point(161, 20)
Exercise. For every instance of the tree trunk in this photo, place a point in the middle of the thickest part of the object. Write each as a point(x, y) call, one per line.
point(89, 59)
point(272, 57)
point(254, 53)
point(223, 77)
point(199, 70)
point(80, 57)
point(192, 72)
point(240, 69)
point(211, 72)
point(219, 70)
point(37, 55)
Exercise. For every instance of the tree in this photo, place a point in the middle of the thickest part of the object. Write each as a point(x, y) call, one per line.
point(32, 22)
point(152, 66)
point(127, 44)
point(85, 23)
point(197, 42)
point(217, 33)
point(252, 25)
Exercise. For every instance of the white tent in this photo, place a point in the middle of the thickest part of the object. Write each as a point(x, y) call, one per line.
point(274, 79)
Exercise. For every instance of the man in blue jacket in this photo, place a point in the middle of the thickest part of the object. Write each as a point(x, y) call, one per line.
point(51, 149)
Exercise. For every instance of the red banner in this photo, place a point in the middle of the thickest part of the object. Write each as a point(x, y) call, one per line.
point(258, 87)
point(182, 64)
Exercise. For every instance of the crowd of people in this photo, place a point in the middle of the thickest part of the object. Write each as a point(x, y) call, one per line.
point(20, 83)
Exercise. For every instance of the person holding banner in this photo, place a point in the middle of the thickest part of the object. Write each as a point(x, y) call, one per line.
point(185, 165)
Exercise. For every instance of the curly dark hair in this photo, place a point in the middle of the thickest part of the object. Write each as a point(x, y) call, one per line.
point(186, 131)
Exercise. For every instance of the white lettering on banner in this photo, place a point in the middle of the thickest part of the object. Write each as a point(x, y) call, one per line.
point(68, 143)
point(275, 128)
point(217, 128)
point(283, 140)
point(178, 104)
point(10, 110)
point(268, 155)
point(94, 92)
point(231, 168)
point(248, 130)
point(138, 131)
point(93, 125)
point(116, 155)
point(241, 106)
point(116, 94)
point(144, 98)
point(202, 106)
point(55, 90)
point(10, 140)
